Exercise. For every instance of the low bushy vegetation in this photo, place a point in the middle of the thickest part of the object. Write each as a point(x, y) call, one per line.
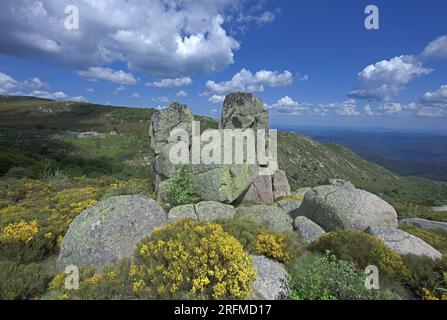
point(182, 187)
point(188, 259)
point(363, 250)
point(428, 278)
point(324, 277)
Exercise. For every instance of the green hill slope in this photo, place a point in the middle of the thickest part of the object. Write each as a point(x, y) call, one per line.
point(34, 131)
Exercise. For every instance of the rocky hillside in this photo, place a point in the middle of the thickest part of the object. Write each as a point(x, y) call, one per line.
point(305, 161)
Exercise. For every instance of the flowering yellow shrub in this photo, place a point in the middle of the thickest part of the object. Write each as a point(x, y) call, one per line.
point(20, 231)
point(272, 245)
point(363, 249)
point(428, 295)
point(189, 259)
point(52, 206)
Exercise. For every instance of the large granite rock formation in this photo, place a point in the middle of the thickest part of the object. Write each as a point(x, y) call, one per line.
point(425, 224)
point(226, 183)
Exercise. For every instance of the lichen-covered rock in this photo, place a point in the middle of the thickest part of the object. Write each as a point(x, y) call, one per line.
point(340, 183)
point(281, 187)
point(110, 230)
point(289, 206)
point(404, 243)
point(425, 224)
point(346, 208)
point(226, 183)
point(186, 211)
point(243, 111)
point(270, 216)
point(307, 230)
point(271, 277)
point(211, 210)
point(202, 211)
point(177, 116)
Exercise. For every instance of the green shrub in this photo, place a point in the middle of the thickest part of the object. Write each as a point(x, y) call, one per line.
point(436, 238)
point(129, 187)
point(22, 281)
point(192, 260)
point(362, 249)
point(245, 230)
point(425, 274)
point(18, 172)
point(324, 277)
point(112, 283)
point(182, 188)
point(435, 216)
point(282, 247)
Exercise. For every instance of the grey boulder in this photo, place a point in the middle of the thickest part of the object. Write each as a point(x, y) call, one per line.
point(344, 207)
point(202, 211)
point(425, 224)
point(307, 230)
point(271, 277)
point(272, 217)
point(404, 243)
point(110, 230)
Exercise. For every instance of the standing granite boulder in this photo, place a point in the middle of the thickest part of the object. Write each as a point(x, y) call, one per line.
point(266, 189)
point(243, 111)
point(307, 230)
point(272, 217)
point(260, 191)
point(110, 230)
point(226, 183)
point(404, 243)
point(177, 116)
point(344, 207)
point(271, 277)
point(425, 224)
point(281, 187)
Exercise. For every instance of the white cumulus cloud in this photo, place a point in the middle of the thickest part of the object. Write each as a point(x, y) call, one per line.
point(108, 74)
point(158, 37)
point(437, 49)
point(170, 83)
point(385, 79)
point(247, 81)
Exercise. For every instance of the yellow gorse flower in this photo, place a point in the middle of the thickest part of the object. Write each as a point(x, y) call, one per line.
point(21, 231)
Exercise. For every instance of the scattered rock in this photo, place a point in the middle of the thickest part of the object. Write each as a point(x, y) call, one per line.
point(271, 277)
point(403, 242)
point(307, 230)
point(110, 230)
point(186, 211)
point(211, 210)
point(425, 224)
point(438, 209)
point(340, 183)
point(302, 191)
point(272, 217)
point(344, 207)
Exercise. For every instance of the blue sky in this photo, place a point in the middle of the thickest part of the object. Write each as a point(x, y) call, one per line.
point(313, 63)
